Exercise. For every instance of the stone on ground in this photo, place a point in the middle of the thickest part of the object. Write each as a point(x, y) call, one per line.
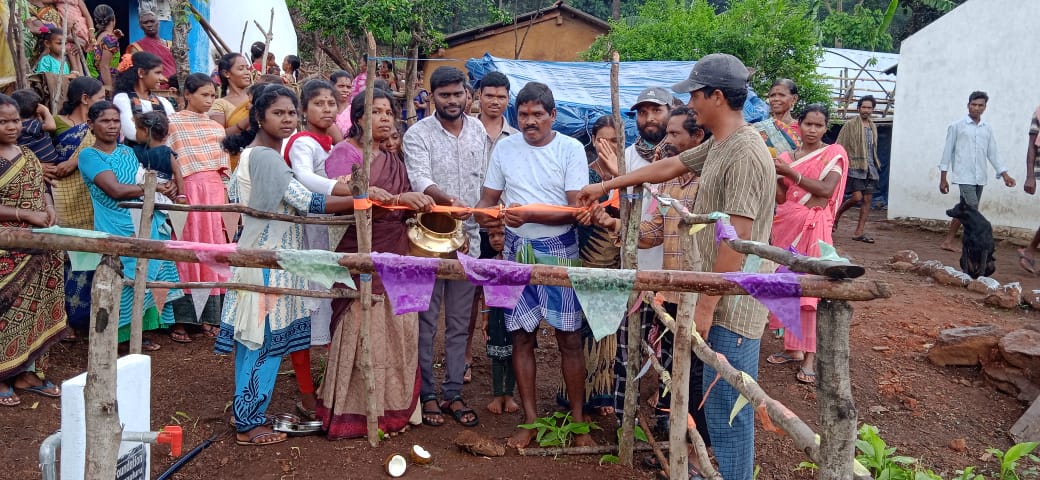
point(1008, 296)
point(964, 346)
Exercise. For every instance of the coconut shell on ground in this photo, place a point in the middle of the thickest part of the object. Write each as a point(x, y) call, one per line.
point(473, 442)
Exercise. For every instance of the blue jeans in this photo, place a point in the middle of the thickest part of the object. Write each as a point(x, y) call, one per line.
point(734, 446)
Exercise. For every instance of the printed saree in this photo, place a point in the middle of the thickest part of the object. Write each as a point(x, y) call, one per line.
point(32, 293)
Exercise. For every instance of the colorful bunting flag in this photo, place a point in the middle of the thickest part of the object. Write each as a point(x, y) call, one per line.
point(603, 295)
point(780, 292)
point(503, 281)
point(71, 232)
point(207, 254)
point(408, 280)
point(319, 266)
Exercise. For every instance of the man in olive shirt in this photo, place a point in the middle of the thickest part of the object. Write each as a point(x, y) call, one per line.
point(737, 178)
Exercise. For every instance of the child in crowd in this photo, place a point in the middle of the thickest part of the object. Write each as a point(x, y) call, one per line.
point(393, 144)
point(499, 343)
point(37, 123)
point(153, 153)
point(50, 61)
point(291, 70)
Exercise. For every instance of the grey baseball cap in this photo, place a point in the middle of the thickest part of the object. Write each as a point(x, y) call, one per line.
point(720, 70)
point(656, 95)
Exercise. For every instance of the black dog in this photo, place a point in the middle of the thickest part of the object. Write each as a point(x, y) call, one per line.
point(977, 248)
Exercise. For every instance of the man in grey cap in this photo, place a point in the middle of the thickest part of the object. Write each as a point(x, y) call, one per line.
point(737, 178)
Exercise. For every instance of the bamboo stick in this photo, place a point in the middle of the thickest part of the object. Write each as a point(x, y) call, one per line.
point(141, 269)
point(593, 450)
point(244, 210)
point(332, 293)
point(802, 435)
point(268, 35)
point(661, 459)
point(646, 280)
point(630, 217)
point(796, 263)
point(217, 41)
point(242, 42)
point(364, 235)
point(99, 394)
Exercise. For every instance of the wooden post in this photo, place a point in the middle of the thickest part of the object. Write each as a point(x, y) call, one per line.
point(268, 35)
point(834, 390)
point(181, 29)
point(104, 431)
point(141, 269)
point(242, 42)
point(363, 220)
point(16, 41)
point(678, 453)
point(412, 74)
point(630, 217)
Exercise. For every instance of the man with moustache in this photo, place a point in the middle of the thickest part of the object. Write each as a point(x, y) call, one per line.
point(540, 166)
point(651, 107)
point(493, 93)
point(446, 156)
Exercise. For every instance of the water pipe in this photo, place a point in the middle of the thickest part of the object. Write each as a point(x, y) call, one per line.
point(171, 435)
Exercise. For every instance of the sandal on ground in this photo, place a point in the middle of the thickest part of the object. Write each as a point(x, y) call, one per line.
point(429, 414)
point(149, 346)
point(1027, 264)
point(42, 389)
point(211, 331)
point(179, 337)
point(257, 440)
point(864, 238)
point(304, 412)
point(468, 375)
point(460, 413)
point(8, 398)
point(806, 377)
point(780, 358)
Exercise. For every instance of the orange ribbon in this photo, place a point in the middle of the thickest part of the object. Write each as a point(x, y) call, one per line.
point(495, 212)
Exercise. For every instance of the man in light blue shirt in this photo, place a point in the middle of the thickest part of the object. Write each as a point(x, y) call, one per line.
point(970, 143)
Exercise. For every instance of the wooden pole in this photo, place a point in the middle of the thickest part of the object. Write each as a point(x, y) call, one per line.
point(363, 221)
point(332, 293)
point(268, 35)
point(630, 217)
point(803, 436)
point(16, 41)
point(63, 62)
point(834, 390)
point(181, 29)
point(242, 42)
point(412, 74)
point(99, 394)
point(659, 281)
point(244, 210)
point(593, 450)
point(678, 453)
point(217, 41)
point(141, 269)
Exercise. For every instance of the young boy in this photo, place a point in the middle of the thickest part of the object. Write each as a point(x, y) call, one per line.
point(37, 122)
point(499, 343)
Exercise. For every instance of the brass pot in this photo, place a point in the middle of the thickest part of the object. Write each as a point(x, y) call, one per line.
point(435, 235)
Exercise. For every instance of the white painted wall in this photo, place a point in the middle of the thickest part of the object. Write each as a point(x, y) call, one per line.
point(228, 17)
point(985, 45)
point(133, 394)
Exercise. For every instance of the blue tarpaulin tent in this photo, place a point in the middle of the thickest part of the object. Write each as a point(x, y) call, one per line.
point(582, 89)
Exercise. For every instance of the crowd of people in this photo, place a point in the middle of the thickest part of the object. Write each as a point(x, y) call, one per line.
point(251, 138)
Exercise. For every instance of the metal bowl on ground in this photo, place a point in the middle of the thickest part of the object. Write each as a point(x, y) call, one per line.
point(294, 426)
point(435, 235)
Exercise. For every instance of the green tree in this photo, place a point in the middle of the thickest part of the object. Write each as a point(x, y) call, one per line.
point(860, 30)
point(775, 38)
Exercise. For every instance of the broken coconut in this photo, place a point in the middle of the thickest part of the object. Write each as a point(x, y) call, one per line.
point(420, 456)
point(396, 465)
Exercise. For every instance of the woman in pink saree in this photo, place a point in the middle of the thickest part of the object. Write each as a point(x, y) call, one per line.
point(810, 184)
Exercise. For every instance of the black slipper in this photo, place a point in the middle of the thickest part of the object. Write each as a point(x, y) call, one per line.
point(429, 413)
point(864, 238)
point(458, 414)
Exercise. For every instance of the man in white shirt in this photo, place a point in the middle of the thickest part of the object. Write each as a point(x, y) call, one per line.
point(651, 109)
point(970, 143)
point(540, 166)
point(446, 156)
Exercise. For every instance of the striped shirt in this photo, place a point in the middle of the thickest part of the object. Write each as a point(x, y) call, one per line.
point(34, 138)
point(196, 139)
point(737, 178)
point(663, 228)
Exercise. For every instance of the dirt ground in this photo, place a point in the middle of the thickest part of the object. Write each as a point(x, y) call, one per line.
point(919, 408)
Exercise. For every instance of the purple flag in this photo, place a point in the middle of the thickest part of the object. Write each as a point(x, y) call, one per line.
point(408, 280)
point(724, 231)
point(781, 293)
point(503, 281)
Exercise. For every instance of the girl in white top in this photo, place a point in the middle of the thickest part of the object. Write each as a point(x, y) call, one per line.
point(134, 88)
